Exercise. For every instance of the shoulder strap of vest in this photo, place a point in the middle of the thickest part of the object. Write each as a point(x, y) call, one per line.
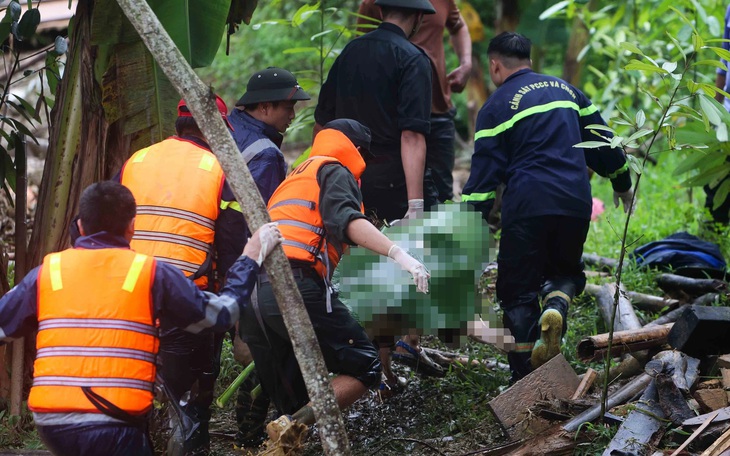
point(255, 147)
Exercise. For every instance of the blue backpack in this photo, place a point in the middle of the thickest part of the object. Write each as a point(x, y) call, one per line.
point(684, 254)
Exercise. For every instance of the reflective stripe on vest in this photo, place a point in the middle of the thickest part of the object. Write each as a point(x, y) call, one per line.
point(294, 206)
point(96, 330)
point(177, 185)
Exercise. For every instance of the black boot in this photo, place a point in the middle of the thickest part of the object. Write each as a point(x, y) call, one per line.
point(251, 414)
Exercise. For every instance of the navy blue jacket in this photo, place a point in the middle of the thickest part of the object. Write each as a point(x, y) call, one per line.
point(177, 301)
point(259, 143)
point(526, 132)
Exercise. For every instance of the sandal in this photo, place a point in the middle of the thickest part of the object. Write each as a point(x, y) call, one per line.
point(418, 361)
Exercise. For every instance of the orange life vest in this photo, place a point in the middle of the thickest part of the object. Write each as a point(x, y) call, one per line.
point(295, 202)
point(95, 330)
point(177, 185)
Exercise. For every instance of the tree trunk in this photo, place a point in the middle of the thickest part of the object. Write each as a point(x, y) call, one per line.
point(200, 100)
point(572, 68)
point(75, 155)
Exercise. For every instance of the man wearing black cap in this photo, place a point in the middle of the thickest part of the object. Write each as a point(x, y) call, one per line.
point(382, 80)
point(319, 204)
point(259, 119)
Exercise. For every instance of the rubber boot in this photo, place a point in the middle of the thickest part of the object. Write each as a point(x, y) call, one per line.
point(552, 325)
point(251, 414)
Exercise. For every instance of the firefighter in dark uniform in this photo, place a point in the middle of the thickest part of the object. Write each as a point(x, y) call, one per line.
point(526, 133)
point(384, 81)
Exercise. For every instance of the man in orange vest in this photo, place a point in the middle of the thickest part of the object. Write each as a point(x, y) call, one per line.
point(97, 308)
point(319, 211)
point(187, 217)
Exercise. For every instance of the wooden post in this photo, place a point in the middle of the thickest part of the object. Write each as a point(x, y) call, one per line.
point(21, 231)
point(200, 101)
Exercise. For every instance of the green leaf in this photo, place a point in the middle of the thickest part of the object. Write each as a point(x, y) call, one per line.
point(678, 45)
point(28, 108)
point(697, 42)
point(641, 66)
point(721, 132)
point(303, 13)
point(28, 24)
point(631, 47)
point(591, 144)
point(52, 72)
point(640, 134)
point(300, 50)
point(722, 53)
point(321, 34)
point(634, 164)
point(709, 109)
point(7, 168)
point(196, 27)
point(640, 118)
point(669, 67)
point(721, 194)
point(556, 8)
point(684, 18)
point(600, 127)
point(715, 63)
point(616, 141)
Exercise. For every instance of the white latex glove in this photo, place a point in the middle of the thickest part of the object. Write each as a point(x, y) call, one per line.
point(625, 198)
point(412, 265)
point(415, 208)
point(263, 242)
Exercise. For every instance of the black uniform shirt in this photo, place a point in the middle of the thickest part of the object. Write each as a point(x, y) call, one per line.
point(384, 82)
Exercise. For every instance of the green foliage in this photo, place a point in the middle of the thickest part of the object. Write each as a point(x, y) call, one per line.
point(18, 431)
point(20, 116)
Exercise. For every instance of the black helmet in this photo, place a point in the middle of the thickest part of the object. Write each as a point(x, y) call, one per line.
point(418, 5)
point(356, 132)
point(272, 84)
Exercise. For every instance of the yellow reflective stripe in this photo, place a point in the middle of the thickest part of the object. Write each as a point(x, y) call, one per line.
point(477, 197)
point(529, 112)
point(55, 263)
point(139, 156)
point(621, 170)
point(523, 347)
point(133, 274)
point(230, 205)
point(207, 162)
point(588, 111)
point(558, 294)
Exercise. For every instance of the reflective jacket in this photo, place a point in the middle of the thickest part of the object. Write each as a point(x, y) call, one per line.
point(108, 351)
point(178, 226)
point(526, 133)
point(295, 203)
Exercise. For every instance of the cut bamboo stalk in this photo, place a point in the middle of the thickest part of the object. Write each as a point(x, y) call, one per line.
point(626, 318)
point(652, 303)
point(595, 347)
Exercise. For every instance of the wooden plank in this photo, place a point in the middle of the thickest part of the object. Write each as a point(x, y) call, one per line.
point(722, 415)
point(725, 373)
point(697, 432)
point(553, 380)
point(720, 445)
point(585, 384)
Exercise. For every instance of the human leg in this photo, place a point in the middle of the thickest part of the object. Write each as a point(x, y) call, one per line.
point(563, 279)
point(440, 154)
point(109, 439)
point(520, 262)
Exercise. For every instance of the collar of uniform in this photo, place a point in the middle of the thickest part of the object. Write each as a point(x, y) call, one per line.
point(101, 240)
point(518, 73)
point(254, 124)
point(392, 28)
point(196, 140)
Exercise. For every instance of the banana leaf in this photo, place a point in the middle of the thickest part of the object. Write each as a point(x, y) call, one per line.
point(454, 243)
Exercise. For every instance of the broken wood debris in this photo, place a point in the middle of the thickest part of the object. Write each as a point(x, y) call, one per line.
point(595, 347)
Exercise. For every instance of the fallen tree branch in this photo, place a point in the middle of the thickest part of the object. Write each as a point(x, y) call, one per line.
point(596, 347)
point(652, 303)
point(694, 287)
point(599, 262)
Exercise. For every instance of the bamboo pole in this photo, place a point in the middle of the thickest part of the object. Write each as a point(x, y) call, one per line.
point(21, 233)
point(200, 101)
point(595, 347)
